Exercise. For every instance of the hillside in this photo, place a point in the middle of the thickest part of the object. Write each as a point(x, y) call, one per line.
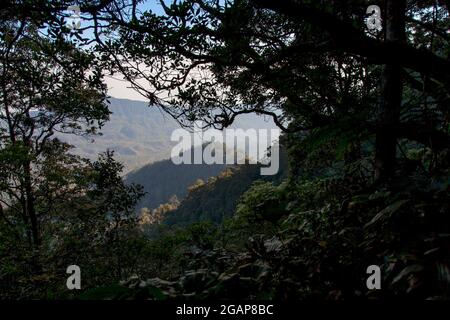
point(217, 198)
point(163, 179)
point(137, 133)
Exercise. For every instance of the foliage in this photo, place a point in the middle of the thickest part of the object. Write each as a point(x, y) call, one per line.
point(366, 132)
point(216, 199)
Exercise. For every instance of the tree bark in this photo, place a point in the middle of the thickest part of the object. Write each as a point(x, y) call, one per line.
point(391, 95)
point(30, 208)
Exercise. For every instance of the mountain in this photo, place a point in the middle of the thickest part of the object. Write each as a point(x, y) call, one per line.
point(216, 198)
point(224, 183)
point(140, 134)
point(163, 179)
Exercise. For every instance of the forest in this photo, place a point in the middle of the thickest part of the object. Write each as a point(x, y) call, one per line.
point(359, 89)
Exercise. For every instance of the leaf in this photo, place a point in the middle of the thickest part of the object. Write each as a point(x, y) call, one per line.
point(443, 274)
point(415, 268)
point(273, 245)
point(387, 212)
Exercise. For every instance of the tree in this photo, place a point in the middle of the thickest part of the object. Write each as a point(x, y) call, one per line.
point(308, 65)
point(391, 94)
point(56, 207)
point(99, 228)
point(47, 86)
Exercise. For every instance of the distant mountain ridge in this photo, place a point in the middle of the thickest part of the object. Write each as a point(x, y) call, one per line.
point(140, 134)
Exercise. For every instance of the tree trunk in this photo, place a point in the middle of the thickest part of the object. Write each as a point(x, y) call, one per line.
point(391, 96)
point(30, 208)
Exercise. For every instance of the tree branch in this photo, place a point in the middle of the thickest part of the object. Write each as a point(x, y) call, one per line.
point(354, 41)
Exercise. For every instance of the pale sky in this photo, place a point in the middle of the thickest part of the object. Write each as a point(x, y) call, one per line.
point(118, 88)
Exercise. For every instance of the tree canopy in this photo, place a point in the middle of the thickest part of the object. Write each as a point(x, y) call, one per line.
point(366, 131)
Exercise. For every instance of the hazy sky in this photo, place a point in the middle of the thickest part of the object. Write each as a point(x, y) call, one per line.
point(119, 88)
